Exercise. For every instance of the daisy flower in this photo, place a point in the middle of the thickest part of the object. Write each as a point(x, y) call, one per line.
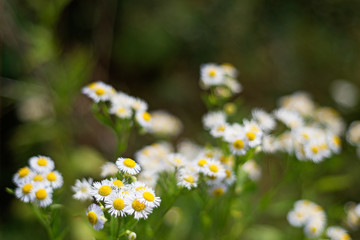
point(133, 206)
point(43, 195)
point(201, 164)
point(116, 183)
point(23, 175)
point(290, 118)
point(138, 186)
point(253, 133)
point(252, 169)
point(127, 165)
point(148, 197)
point(317, 150)
point(229, 70)
point(139, 105)
point(211, 74)
point(239, 145)
point(214, 119)
point(95, 216)
point(121, 111)
point(176, 160)
point(218, 190)
point(215, 169)
point(99, 91)
point(116, 204)
point(187, 178)
point(40, 178)
point(144, 119)
point(41, 164)
point(25, 192)
point(337, 233)
point(100, 190)
point(55, 179)
point(219, 131)
point(82, 189)
point(264, 119)
point(353, 133)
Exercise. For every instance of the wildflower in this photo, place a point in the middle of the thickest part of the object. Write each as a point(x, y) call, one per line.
point(25, 192)
point(290, 118)
point(128, 165)
point(55, 179)
point(337, 233)
point(239, 144)
point(211, 74)
point(82, 189)
point(218, 190)
point(300, 102)
point(116, 204)
point(99, 91)
point(148, 197)
point(253, 133)
point(264, 119)
point(23, 175)
point(187, 177)
point(215, 169)
point(214, 119)
point(122, 111)
point(270, 144)
point(165, 124)
point(353, 133)
point(317, 150)
point(234, 86)
point(136, 207)
point(139, 105)
point(101, 190)
point(229, 70)
point(43, 195)
point(41, 164)
point(219, 131)
point(132, 236)
point(176, 160)
point(95, 216)
point(144, 119)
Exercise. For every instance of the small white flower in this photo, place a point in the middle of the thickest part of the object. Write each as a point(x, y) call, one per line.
point(55, 179)
point(25, 192)
point(218, 190)
point(215, 169)
point(41, 164)
point(148, 197)
point(132, 236)
point(211, 74)
point(101, 190)
point(337, 233)
point(353, 133)
point(139, 105)
point(136, 207)
point(95, 216)
point(264, 119)
point(116, 204)
point(42, 195)
point(82, 189)
point(128, 165)
point(214, 119)
point(253, 133)
point(290, 118)
point(144, 119)
point(252, 169)
point(187, 177)
point(121, 111)
point(23, 175)
point(99, 91)
point(108, 169)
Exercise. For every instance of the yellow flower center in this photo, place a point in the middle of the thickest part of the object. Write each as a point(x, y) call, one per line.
point(51, 176)
point(42, 162)
point(202, 162)
point(306, 136)
point(140, 188)
point(138, 206)
point(178, 160)
point(41, 194)
point(146, 116)
point(105, 190)
point(214, 168)
point(92, 85)
point(121, 110)
point(148, 196)
point(38, 178)
point(189, 179)
point(255, 129)
point(100, 91)
point(218, 192)
point(228, 173)
point(221, 128)
point(119, 204)
point(83, 189)
point(315, 149)
point(118, 183)
point(251, 136)
point(337, 141)
point(209, 155)
point(92, 218)
point(212, 73)
point(23, 172)
point(129, 163)
point(238, 144)
point(27, 188)
point(313, 229)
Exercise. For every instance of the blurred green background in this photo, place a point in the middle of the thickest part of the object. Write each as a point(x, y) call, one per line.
point(153, 50)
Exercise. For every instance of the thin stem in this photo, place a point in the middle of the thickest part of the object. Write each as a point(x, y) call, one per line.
point(43, 221)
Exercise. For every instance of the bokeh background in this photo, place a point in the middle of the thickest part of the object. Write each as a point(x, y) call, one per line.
point(153, 50)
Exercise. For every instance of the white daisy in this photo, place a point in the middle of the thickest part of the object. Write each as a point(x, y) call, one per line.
point(95, 216)
point(148, 197)
point(132, 236)
point(229, 70)
point(252, 169)
point(264, 119)
point(139, 105)
point(116, 204)
point(40, 179)
point(41, 164)
point(82, 189)
point(214, 119)
point(253, 133)
point(290, 118)
point(234, 86)
point(23, 175)
point(101, 190)
point(134, 206)
point(211, 74)
point(219, 131)
point(239, 145)
point(116, 183)
point(99, 91)
point(55, 179)
point(317, 150)
point(121, 111)
point(43, 195)
point(144, 119)
point(337, 233)
point(176, 160)
point(353, 133)
point(218, 190)
point(187, 178)
point(25, 192)
point(215, 169)
point(128, 165)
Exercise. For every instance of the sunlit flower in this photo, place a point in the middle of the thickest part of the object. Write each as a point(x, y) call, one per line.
point(55, 179)
point(116, 204)
point(99, 91)
point(252, 169)
point(128, 165)
point(41, 164)
point(42, 195)
point(144, 119)
point(101, 190)
point(82, 189)
point(148, 197)
point(137, 208)
point(337, 233)
point(23, 175)
point(25, 192)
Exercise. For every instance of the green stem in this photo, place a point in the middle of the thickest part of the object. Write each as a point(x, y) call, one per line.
point(43, 221)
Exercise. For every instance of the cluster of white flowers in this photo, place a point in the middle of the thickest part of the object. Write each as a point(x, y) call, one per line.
point(122, 105)
point(221, 77)
point(312, 217)
point(36, 183)
point(121, 196)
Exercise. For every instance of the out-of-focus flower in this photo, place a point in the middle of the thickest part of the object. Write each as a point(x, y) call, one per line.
point(345, 93)
point(164, 124)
